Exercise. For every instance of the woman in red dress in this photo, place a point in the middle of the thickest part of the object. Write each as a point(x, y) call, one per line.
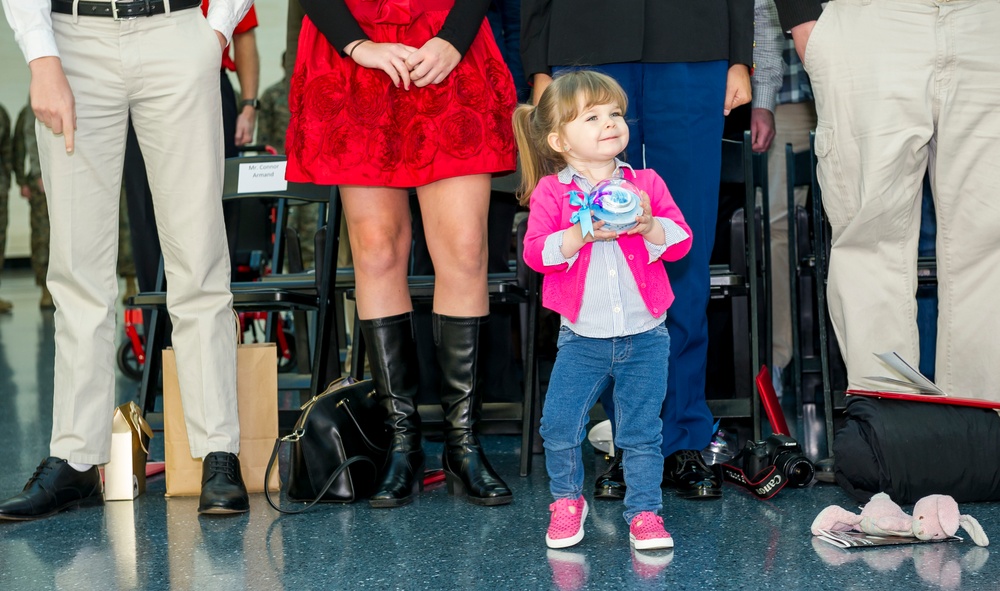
point(389, 95)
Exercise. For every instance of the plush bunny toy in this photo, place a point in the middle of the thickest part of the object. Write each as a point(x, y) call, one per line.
point(934, 517)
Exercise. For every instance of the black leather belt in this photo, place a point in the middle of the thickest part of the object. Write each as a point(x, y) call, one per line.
point(123, 9)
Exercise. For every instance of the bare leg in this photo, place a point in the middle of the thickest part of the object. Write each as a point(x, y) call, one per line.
point(454, 212)
point(378, 221)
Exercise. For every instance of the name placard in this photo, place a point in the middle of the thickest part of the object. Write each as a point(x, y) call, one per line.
point(258, 177)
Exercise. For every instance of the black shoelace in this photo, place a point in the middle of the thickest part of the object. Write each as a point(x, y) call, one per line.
point(222, 464)
point(42, 469)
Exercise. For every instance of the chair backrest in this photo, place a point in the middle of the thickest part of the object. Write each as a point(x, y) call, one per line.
point(262, 178)
point(798, 167)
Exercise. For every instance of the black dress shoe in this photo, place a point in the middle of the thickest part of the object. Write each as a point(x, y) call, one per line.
point(611, 484)
point(222, 489)
point(54, 487)
point(686, 471)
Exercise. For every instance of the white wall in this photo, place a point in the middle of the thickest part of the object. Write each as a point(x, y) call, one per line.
point(14, 93)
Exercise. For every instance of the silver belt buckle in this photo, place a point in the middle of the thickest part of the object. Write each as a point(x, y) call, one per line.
point(114, 11)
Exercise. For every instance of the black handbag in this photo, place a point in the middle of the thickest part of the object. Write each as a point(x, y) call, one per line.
point(339, 445)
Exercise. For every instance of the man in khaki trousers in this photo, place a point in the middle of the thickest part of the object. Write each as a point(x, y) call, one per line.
point(93, 63)
point(901, 87)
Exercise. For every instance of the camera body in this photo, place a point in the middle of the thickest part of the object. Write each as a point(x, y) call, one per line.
point(782, 452)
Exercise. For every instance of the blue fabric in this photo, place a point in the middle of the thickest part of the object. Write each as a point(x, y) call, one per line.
point(675, 112)
point(636, 367)
point(927, 299)
point(504, 17)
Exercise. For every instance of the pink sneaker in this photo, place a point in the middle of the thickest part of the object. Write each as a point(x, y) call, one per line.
point(646, 532)
point(566, 523)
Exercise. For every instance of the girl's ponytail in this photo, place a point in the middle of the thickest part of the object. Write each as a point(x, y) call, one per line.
point(530, 153)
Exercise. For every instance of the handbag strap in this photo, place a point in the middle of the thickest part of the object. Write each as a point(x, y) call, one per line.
point(329, 482)
point(350, 415)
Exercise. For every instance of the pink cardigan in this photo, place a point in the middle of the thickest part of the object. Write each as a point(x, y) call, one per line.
point(562, 286)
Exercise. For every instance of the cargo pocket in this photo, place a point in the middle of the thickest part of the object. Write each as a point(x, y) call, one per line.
point(840, 203)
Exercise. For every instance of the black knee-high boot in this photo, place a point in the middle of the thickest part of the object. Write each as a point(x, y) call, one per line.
point(395, 371)
point(465, 466)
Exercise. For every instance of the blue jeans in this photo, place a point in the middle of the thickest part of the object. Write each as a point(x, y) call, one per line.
point(585, 367)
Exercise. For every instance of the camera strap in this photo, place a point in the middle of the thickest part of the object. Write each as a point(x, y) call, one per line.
point(763, 486)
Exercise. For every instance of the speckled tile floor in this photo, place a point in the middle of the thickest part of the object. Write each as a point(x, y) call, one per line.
point(438, 542)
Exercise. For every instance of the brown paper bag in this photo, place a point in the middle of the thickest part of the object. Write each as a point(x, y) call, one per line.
point(257, 400)
point(125, 474)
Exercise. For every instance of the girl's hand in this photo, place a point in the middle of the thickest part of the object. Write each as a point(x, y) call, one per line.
point(432, 63)
point(573, 239)
point(645, 225)
point(388, 57)
point(599, 234)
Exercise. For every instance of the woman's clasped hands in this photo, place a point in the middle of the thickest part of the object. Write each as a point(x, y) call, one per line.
point(404, 64)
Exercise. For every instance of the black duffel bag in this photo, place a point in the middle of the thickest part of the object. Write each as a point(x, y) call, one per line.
point(339, 445)
point(909, 450)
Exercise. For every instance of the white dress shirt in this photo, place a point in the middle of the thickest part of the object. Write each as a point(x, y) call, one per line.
point(32, 23)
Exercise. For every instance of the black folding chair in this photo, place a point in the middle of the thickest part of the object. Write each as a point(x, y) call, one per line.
point(744, 281)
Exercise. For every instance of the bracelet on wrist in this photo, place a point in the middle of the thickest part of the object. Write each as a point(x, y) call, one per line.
point(350, 53)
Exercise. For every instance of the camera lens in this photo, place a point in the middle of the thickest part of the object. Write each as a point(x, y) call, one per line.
point(799, 471)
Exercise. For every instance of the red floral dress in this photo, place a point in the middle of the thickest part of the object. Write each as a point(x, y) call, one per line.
point(350, 125)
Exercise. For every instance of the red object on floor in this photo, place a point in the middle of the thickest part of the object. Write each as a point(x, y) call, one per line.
point(772, 406)
point(154, 468)
point(433, 477)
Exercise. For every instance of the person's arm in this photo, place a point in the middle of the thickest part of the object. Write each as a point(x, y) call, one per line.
point(741, 34)
point(799, 17)
point(793, 13)
point(543, 220)
point(51, 97)
point(432, 62)
point(31, 21)
point(738, 90)
point(224, 15)
point(535, 45)
point(767, 73)
point(334, 20)
point(463, 23)
point(248, 72)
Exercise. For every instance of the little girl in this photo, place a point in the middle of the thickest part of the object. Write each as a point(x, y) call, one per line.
point(612, 293)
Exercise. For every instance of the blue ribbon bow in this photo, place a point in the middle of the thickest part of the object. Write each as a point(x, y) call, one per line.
point(582, 216)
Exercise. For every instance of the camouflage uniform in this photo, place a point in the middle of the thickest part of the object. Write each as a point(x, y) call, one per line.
point(272, 123)
point(126, 264)
point(272, 119)
point(5, 169)
point(28, 172)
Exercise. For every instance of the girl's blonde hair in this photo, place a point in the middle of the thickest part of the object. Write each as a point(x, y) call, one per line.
point(559, 104)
